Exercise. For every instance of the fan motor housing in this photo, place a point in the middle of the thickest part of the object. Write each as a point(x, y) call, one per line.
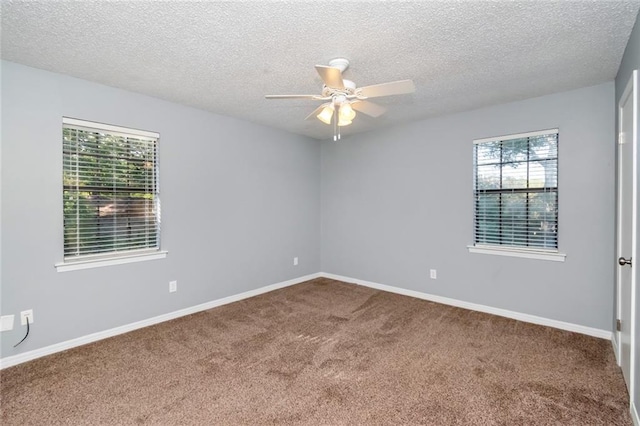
point(349, 89)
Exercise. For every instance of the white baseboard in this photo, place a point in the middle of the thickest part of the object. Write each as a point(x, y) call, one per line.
point(634, 415)
point(595, 332)
point(90, 338)
point(62, 346)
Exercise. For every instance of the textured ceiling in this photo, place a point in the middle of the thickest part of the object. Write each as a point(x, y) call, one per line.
point(225, 56)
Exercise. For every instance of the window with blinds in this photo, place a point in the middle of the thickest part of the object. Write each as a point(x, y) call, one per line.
point(110, 190)
point(516, 191)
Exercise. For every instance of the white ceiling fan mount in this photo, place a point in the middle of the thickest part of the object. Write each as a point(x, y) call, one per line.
point(341, 63)
point(343, 97)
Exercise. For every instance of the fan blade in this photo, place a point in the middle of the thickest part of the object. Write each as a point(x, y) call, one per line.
point(332, 77)
point(369, 108)
point(387, 89)
point(292, 97)
point(316, 111)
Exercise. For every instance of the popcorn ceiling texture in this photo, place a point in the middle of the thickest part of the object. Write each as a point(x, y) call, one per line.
point(225, 56)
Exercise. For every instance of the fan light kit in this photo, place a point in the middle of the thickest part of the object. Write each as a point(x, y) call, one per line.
point(342, 97)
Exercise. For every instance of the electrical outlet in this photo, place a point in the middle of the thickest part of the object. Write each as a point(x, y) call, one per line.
point(26, 314)
point(295, 261)
point(433, 274)
point(173, 286)
point(6, 322)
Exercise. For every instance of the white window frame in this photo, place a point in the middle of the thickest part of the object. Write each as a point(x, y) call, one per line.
point(113, 258)
point(514, 251)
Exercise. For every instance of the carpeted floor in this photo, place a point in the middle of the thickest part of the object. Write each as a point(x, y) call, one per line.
point(325, 353)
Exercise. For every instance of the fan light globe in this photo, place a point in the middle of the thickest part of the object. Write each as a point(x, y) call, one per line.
point(326, 114)
point(342, 122)
point(346, 112)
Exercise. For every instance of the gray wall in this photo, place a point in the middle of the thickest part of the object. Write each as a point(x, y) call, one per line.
point(630, 62)
point(239, 201)
point(398, 202)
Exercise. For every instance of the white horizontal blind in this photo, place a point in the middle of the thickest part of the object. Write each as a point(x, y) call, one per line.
point(110, 190)
point(516, 191)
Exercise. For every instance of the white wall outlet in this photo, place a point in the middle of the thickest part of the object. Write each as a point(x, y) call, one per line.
point(433, 274)
point(173, 286)
point(295, 261)
point(26, 314)
point(6, 322)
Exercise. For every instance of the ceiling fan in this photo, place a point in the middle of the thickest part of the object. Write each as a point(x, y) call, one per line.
point(342, 97)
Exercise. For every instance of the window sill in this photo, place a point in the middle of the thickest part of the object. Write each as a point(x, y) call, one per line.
point(108, 261)
point(513, 252)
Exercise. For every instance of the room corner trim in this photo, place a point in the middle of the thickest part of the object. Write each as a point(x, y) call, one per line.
point(576, 328)
point(634, 415)
point(90, 338)
point(614, 343)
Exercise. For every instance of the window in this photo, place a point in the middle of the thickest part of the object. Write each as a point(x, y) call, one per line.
point(110, 192)
point(516, 192)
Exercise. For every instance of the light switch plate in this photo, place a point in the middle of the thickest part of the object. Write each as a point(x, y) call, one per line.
point(6, 322)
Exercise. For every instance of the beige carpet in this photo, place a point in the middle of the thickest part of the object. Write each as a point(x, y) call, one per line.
point(325, 353)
